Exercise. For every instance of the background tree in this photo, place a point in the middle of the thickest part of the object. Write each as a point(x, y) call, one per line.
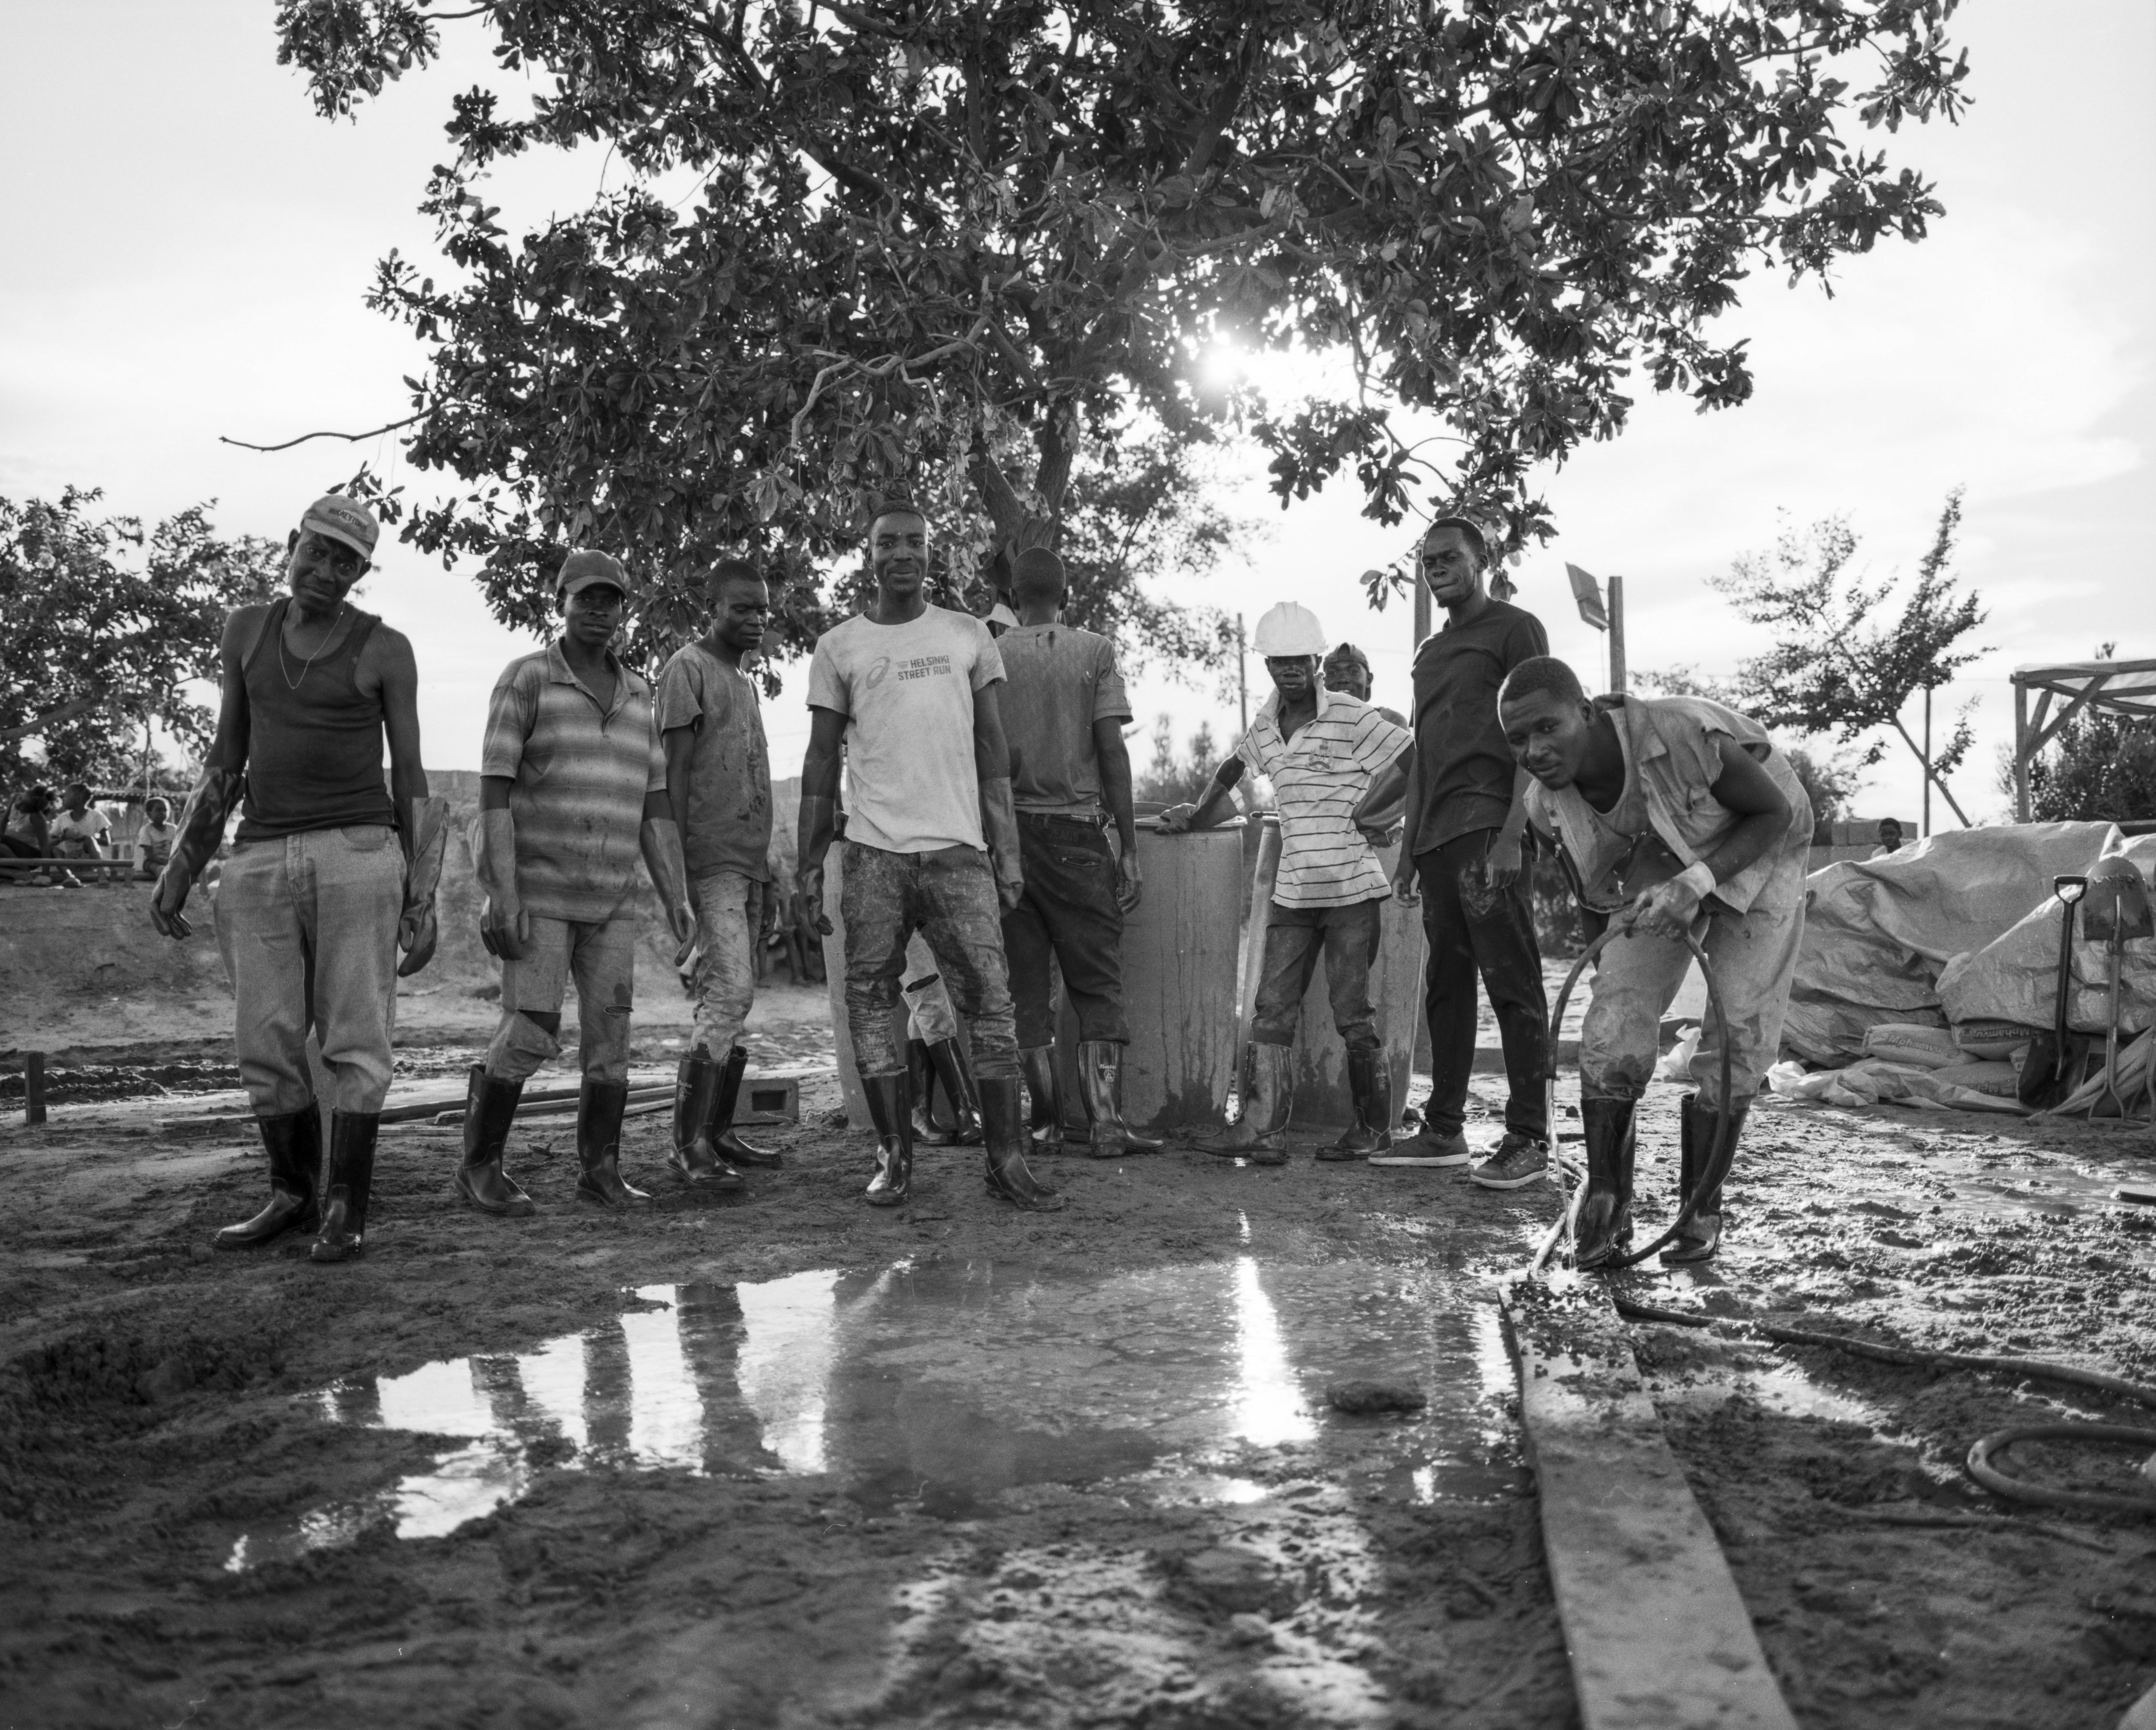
point(877, 247)
point(106, 624)
point(1170, 779)
point(1830, 782)
point(1840, 667)
point(2101, 767)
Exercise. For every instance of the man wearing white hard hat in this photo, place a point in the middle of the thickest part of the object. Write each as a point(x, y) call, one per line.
point(1335, 765)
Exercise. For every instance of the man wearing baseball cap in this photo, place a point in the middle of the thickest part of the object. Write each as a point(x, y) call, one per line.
point(572, 788)
point(1336, 764)
point(331, 872)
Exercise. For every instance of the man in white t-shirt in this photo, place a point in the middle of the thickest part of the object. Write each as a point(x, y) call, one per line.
point(907, 692)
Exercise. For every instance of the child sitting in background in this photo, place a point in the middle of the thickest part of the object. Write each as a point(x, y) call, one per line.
point(153, 841)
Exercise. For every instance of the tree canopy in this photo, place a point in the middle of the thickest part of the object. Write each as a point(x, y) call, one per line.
point(106, 624)
point(931, 247)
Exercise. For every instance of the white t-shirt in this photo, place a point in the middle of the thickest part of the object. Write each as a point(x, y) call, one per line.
point(907, 691)
point(83, 835)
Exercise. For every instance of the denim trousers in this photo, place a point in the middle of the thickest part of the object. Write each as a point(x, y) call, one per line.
point(1068, 918)
point(1295, 937)
point(1476, 935)
point(602, 959)
point(949, 897)
point(307, 927)
point(729, 914)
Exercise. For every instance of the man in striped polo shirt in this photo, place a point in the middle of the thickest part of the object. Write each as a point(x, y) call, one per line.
point(572, 788)
point(1335, 765)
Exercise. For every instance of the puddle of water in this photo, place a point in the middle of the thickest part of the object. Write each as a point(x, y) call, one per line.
point(940, 1387)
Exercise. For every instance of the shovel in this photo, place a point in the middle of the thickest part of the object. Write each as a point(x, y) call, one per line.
point(2116, 911)
point(2044, 1074)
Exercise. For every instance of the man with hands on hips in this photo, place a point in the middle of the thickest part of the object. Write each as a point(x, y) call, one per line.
point(572, 789)
point(1678, 816)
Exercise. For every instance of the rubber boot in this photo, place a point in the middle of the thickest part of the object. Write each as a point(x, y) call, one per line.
point(294, 1142)
point(1044, 1124)
point(921, 1085)
point(729, 1146)
point(1604, 1226)
point(1101, 1081)
point(693, 1159)
point(892, 1113)
point(1259, 1135)
point(1004, 1127)
point(600, 1106)
point(490, 1108)
point(351, 1181)
point(949, 1060)
point(1700, 1130)
point(1370, 1081)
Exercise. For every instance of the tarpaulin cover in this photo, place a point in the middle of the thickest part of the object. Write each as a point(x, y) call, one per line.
point(1959, 929)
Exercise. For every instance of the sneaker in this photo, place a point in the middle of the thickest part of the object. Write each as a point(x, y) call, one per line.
point(1517, 1163)
point(1427, 1149)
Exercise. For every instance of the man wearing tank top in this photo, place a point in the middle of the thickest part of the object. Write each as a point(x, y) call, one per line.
point(331, 873)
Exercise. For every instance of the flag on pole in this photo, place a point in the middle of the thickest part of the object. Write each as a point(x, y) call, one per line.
point(1588, 592)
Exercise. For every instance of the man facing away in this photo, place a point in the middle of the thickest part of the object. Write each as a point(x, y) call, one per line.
point(1063, 711)
point(1678, 816)
point(318, 894)
point(718, 787)
point(1336, 764)
point(1462, 859)
point(909, 691)
point(572, 788)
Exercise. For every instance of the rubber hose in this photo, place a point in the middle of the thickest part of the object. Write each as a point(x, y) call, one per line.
point(1999, 1483)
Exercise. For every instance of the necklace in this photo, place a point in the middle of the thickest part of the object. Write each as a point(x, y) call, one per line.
point(291, 683)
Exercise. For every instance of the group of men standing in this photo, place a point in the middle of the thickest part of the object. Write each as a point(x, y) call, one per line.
point(983, 764)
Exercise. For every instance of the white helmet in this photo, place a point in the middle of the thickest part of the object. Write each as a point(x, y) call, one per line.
point(1290, 629)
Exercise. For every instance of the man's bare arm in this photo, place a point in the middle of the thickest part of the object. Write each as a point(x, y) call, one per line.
point(992, 762)
point(399, 675)
point(820, 808)
point(1114, 757)
point(217, 789)
point(1744, 787)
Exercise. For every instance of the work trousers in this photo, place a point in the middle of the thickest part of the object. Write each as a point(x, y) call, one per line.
point(1295, 937)
point(307, 927)
point(601, 958)
point(948, 895)
point(729, 916)
point(1751, 959)
point(1068, 916)
point(1473, 935)
point(929, 1016)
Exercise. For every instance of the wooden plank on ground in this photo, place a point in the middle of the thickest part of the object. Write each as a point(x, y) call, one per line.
point(1657, 1635)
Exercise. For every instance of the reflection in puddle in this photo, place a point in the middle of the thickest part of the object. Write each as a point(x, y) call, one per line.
point(941, 1387)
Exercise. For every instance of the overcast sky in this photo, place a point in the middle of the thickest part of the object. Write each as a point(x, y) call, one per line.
point(189, 247)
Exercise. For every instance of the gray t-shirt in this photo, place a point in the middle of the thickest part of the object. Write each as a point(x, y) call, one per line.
point(907, 691)
point(1059, 681)
point(729, 763)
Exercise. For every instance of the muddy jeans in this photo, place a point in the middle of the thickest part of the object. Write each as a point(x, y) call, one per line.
point(1294, 936)
point(929, 1016)
point(1491, 939)
point(307, 927)
point(949, 897)
point(1069, 918)
point(603, 960)
point(729, 915)
point(1752, 958)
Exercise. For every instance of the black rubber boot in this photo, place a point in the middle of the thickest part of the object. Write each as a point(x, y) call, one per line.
point(1045, 1120)
point(920, 1087)
point(1605, 1228)
point(693, 1159)
point(1701, 1129)
point(1370, 1082)
point(490, 1108)
point(729, 1146)
point(892, 1113)
point(599, 1108)
point(294, 1142)
point(1259, 1135)
point(948, 1059)
point(1101, 1082)
point(1007, 1174)
point(352, 1180)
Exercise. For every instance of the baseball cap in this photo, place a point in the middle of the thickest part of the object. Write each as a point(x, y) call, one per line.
point(345, 520)
point(1346, 654)
point(584, 568)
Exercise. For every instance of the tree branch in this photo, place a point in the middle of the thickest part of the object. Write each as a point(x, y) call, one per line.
point(1932, 774)
point(66, 711)
point(353, 438)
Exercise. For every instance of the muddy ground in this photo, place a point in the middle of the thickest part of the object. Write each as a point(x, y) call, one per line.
point(785, 1461)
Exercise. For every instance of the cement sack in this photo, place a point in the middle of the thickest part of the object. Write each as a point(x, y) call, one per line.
point(1951, 931)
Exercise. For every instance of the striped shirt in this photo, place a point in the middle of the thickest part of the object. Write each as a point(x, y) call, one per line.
point(580, 775)
point(1317, 778)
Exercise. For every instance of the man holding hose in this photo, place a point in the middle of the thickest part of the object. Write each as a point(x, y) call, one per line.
point(1675, 816)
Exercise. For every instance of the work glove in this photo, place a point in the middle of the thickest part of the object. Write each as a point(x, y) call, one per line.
point(416, 930)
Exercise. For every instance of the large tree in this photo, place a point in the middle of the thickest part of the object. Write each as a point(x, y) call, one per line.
point(107, 624)
point(873, 248)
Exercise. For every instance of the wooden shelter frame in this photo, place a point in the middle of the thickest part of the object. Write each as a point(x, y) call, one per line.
point(2123, 687)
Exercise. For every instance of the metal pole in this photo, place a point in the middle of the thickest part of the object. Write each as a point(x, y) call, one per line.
point(1242, 677)
point(1422, 618)
point(1928, 760)
point(1616, 633)
point(2021, 752)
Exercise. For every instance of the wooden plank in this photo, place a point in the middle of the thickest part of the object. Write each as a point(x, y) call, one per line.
point(1658, 1637)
